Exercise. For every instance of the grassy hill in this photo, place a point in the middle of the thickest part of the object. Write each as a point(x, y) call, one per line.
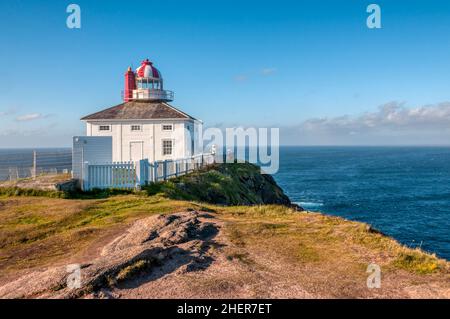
point(261, 249)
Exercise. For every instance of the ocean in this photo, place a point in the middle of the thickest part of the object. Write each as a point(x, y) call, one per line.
point(402, 191)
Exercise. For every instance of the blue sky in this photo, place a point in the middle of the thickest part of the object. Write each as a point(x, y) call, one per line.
point(312, 68)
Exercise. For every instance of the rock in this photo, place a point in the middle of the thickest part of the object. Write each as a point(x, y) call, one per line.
point(69, 186)
point(372, 230)
point(228, 184)
point(162, 241)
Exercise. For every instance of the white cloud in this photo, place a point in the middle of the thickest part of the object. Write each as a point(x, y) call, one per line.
point(30, 117)
point(268, 71)
point(263, 72)
point(240, 78)
point(7, 112)
point(391, 123)
point(50, 135)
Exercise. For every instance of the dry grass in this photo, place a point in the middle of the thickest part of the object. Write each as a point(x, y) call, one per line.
point(327, 255)
point(41, 182)
point(269, 250)
point(39, 231)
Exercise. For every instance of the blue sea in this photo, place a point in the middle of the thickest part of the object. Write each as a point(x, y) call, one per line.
point(402, 191)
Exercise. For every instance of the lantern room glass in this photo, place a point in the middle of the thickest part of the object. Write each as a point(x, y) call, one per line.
point(148, 83)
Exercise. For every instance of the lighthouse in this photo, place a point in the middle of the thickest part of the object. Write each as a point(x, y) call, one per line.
point(146, 83)
point(145, 125)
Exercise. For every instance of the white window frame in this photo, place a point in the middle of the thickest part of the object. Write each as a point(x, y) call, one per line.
point(171, 149)
point(104, 125)
point(139, 130)
point(165, 130)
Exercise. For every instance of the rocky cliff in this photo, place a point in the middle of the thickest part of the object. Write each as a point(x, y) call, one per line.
point(225, 184)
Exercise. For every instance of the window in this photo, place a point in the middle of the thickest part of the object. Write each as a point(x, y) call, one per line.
point(135, 128)
point(167, 147)
point(103, 128)
point(167, 127)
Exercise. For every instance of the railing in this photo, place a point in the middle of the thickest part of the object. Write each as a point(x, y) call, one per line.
point(120, 175)
point(150, 94)
point(17, 164)
point(128, 175)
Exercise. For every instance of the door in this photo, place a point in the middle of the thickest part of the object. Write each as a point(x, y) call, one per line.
point(136, 151)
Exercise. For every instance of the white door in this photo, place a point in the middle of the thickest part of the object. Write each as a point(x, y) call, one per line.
point(136, 151)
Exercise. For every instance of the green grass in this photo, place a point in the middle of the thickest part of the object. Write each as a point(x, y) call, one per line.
point(133, 270)
point(417, 261)
point(221, 184)
point(15, 191)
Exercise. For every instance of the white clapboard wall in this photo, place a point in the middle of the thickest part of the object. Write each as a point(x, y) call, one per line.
point(92, 150)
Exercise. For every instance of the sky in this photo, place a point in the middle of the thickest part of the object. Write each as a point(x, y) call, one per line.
point(311, 68)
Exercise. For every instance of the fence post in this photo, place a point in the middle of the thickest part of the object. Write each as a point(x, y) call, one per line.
point(141, 172)
point(155, 171)
point(165, 170)
point(176, 168)
point(34, 164)
point(138, 172)
point(146, 171)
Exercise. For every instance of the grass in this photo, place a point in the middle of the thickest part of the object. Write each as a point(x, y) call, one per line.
point(417, 261)
point(16, 191)
point(238, 184)
point(47, 230)
point(38, 231)
point(136, 268)
point(312, 238)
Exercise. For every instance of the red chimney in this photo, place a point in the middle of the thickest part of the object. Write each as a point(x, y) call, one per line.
point(130, 85)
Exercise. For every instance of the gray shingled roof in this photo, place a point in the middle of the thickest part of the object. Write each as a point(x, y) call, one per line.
point(139, 110)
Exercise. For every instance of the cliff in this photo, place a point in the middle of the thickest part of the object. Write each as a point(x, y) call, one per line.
point(225, 184)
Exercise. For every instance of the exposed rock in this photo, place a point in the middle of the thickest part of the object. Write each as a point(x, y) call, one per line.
point(178, 239)
point(69, 186)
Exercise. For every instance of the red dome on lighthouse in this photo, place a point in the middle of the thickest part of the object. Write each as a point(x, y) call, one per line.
point(147, 70)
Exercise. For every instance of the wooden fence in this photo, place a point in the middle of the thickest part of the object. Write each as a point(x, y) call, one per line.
point(128, 175)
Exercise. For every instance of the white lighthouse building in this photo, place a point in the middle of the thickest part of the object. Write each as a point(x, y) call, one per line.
point(145, 125)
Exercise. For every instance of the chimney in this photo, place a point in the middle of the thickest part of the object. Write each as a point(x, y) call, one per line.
point(130, 85)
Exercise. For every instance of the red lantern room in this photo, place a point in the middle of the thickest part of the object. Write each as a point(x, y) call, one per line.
point(145, 83)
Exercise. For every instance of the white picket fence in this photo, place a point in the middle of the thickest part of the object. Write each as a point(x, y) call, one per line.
point(128, 175)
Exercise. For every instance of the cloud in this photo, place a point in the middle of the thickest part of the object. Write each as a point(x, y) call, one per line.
point(240, 78)
point(30, 117)
point(391, 123)
point(262, 72)
point(268, 71)
point(8, 112)
point(51, 135)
